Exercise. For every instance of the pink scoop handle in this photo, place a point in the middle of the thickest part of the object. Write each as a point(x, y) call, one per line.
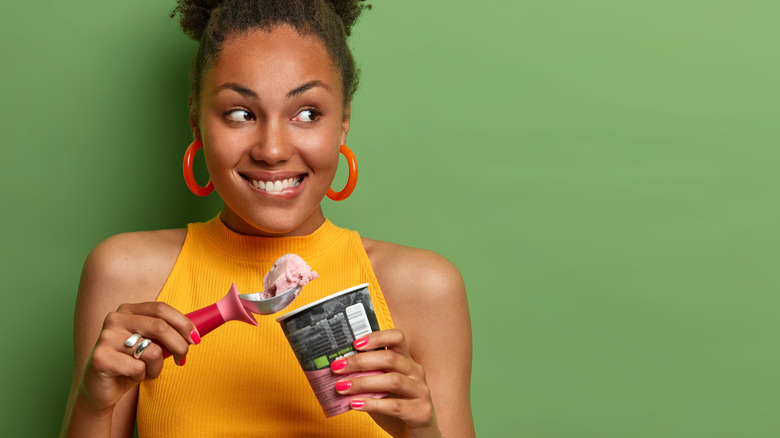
point(205, 320)
point(212, 316)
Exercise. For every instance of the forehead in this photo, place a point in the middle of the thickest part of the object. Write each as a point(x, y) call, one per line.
point(279, 59)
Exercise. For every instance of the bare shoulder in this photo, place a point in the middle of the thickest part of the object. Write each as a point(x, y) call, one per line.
point(427, 299)
point(414, 279)
point(135, 265)
point(125, 268)
point(399, 266)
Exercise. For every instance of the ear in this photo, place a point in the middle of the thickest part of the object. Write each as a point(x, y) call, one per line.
point(345, 123)
point(194, 122)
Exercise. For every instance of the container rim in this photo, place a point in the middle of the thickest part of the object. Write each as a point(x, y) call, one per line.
point(321, 300)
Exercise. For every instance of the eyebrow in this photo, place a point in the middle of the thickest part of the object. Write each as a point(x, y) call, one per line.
point(307, 86)
point(238, 88)
point(244, 91)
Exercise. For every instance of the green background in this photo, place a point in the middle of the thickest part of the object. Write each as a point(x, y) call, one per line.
point(603, 172)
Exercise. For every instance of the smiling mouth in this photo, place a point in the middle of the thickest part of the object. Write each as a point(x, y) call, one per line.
point(276, 186)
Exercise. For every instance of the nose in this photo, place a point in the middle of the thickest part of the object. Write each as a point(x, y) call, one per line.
point(271, 143)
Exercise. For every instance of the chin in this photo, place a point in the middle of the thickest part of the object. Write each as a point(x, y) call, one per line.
point(272, 223)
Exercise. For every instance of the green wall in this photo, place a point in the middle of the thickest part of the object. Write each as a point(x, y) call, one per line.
point(604, 173)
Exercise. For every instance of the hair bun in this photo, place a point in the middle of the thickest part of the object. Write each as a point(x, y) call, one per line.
point(348, 11)
point(195, 16)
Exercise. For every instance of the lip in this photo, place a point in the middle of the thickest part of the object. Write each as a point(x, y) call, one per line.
point(296, 178)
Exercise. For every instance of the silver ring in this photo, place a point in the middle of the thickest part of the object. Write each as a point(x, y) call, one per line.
point(141, 347)
point(132, 340)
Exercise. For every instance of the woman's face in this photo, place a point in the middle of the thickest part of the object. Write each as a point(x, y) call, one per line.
point(271, 118)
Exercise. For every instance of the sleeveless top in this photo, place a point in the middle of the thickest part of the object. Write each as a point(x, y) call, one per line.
point(242, 380)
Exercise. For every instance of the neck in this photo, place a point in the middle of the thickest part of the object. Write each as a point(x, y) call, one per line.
point(273, 227)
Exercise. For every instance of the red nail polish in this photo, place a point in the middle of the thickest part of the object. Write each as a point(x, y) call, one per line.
point(343, 386)
point(360, 343)
point(357, 404)
point(338, 364)
point(184, 359)
point(195, 337)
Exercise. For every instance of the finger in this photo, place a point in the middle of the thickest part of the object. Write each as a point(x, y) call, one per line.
point(149, 327)
point(162, 334)
point(139, 361)
point(152, 357)
point(173, 317)
point(110, 360)
point(415, 414)
point(393, 383)
point(383, 360)
point(392, 339)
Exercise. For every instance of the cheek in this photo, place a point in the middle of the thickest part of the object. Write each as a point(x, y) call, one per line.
point(323, 159)
point(221, 146)
point(210, 144)
point(321, 151)
point(214, 153)
point(220, 154)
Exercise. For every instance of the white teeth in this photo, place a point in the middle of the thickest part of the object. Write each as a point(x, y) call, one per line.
point(276, 186)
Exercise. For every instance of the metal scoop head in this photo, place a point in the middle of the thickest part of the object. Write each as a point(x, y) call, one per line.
point(256, 304)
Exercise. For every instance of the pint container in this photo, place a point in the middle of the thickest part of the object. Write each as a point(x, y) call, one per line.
point(322, 332)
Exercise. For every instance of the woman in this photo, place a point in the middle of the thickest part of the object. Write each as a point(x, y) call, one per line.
point(270, 106)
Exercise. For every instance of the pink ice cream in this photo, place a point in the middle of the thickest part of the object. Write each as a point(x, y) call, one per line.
point(288, 271)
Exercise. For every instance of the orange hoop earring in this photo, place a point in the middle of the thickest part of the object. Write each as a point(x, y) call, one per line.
point(189, 177)
point(351, 179)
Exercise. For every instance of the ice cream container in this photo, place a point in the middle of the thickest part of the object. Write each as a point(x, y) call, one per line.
point(322, 332)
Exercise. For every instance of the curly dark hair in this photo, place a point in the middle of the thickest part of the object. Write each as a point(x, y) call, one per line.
point(211, 22)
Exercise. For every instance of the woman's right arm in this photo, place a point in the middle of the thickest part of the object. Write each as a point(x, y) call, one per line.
point(127, 268)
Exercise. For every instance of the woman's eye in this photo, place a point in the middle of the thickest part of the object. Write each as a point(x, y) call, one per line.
point(239, 116)
point(307, 115)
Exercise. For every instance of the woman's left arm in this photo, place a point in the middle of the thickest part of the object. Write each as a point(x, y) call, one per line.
point(427, 356)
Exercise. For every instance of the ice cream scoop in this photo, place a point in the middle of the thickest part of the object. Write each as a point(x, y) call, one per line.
point(288, 274)
point(281, 285)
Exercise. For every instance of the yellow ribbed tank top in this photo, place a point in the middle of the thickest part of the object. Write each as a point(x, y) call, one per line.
point(241, 380)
